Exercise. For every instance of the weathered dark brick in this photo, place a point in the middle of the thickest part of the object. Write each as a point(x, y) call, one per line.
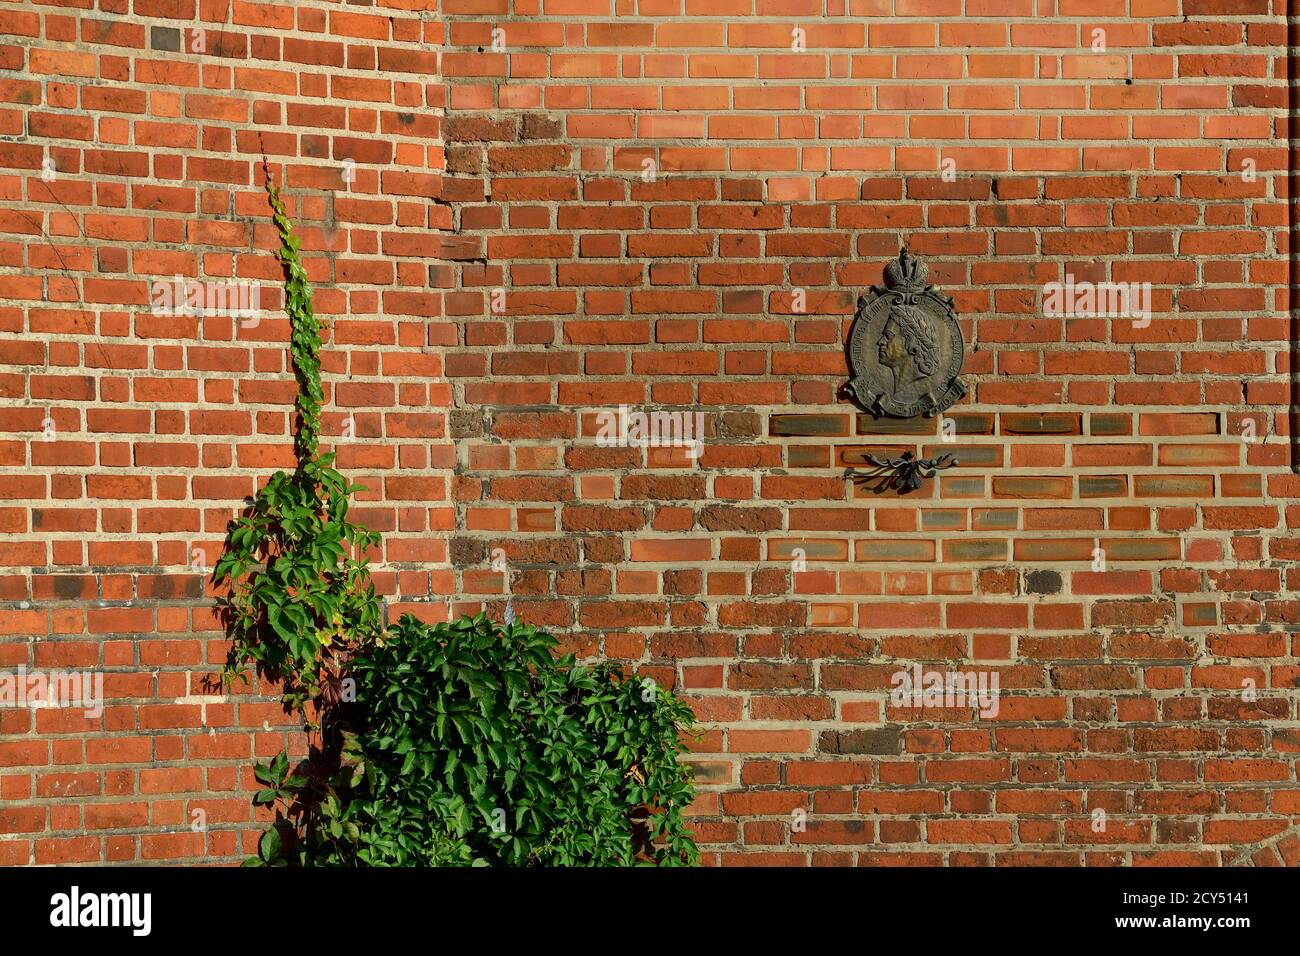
point(880, 740)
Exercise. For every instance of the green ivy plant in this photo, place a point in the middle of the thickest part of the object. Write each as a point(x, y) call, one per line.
point(479, 747)
point(301, 602)
point(465, 743)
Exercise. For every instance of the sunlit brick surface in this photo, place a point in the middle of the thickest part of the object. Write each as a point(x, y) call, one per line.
point(521, 214)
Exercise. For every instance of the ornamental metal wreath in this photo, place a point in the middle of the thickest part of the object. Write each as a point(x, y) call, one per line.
point(909, 472)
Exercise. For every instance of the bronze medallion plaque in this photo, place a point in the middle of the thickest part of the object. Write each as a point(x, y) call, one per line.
point(905, 349)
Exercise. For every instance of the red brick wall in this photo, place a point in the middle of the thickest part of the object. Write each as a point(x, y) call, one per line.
point(519, 170)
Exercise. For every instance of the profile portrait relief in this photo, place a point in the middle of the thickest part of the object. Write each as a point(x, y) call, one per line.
point(909, 345)
point(905, 349)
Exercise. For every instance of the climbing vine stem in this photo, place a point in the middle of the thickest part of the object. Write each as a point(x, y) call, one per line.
point(301, 602)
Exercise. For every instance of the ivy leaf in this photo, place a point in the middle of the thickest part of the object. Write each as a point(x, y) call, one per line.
point(269, 846)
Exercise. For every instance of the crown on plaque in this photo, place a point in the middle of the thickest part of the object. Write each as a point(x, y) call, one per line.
point(907, 274)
